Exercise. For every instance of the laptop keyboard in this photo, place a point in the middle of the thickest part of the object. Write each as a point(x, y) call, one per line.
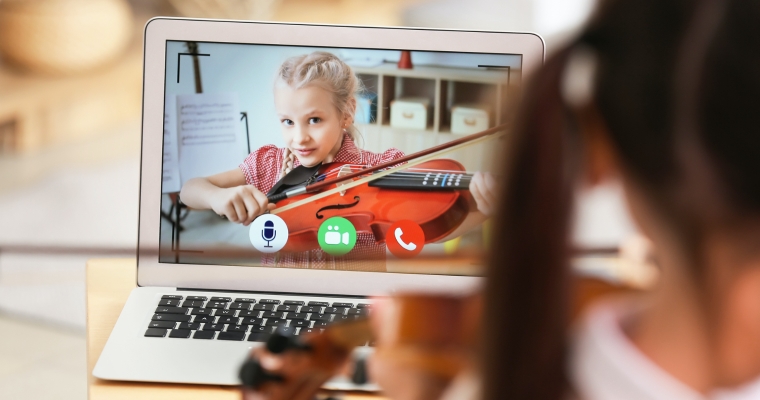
point(244, 318)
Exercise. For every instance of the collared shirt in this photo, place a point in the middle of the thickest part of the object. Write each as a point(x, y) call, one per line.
point(605, 364)
point(262, 170)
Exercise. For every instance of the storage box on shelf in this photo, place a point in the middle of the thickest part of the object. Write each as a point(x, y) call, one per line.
point(469, 118)
point(443, 88)
point(410, 113)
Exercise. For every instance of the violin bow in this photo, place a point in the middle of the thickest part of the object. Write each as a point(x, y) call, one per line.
point(406, 162)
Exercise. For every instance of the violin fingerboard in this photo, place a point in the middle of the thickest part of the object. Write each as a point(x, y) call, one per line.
point(432, 183)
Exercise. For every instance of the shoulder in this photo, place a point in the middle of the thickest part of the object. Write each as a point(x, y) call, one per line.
point(378, 158)
point(262, 164)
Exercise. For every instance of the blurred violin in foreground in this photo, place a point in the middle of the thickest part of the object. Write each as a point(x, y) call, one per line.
point(431, 336)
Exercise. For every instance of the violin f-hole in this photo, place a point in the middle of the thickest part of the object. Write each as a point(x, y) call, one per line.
point(337, 207)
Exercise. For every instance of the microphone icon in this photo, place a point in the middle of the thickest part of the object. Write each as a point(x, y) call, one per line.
point(268, 233)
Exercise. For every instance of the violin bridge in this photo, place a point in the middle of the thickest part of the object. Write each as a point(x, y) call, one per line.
point(344, 170)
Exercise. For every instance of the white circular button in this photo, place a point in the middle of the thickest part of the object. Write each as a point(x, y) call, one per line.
point(268, 233)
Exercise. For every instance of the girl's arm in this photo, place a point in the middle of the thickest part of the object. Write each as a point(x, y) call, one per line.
point(227, 194)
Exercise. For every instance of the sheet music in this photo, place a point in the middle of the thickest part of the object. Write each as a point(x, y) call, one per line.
point(170, 178)
point(210, 136)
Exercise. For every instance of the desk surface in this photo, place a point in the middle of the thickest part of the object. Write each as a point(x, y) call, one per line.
point(109, 283)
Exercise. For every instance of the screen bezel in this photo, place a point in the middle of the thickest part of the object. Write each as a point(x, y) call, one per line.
point(268, 279)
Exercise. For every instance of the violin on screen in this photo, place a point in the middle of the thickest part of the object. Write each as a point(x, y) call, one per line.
point(372, 198)
point(435, 334)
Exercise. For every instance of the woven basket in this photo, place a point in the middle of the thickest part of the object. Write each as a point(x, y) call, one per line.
point(63, 36)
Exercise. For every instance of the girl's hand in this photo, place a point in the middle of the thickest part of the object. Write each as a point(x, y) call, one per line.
point(241, 204)
point(483, 189)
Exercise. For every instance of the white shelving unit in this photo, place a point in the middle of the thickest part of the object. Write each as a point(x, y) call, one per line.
point(444, 87)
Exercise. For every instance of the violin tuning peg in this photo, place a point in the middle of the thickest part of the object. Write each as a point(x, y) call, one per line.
point(281, 341)
point(359, 376)
point(253, 375)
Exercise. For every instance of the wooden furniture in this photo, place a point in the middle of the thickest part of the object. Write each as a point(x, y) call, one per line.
point(38, 111)
point(109, 283)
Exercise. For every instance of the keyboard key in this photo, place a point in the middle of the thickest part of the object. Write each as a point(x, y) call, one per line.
point(286, 330)
point(155, 332)
point(321, 324)
point(161, 324)
point(344, 318)
point(287, 307)
point(193, 326)
point(180, 333)
point(261, 329)
point(169, 303)
point(222, 299)
point(273, 314)
point(204, 335)
point(258, 337)
point(244, 300)
point(308, 330)
point(171, 297)
point(335, 310)
point(216, 304)
point(231, 336)
point(171, 310)
point(202, 311)
point(299, 323)
point(192, 303)
point(237, 328)
point(171, 317)
point(240, 306)
point(203, 319)
point(253, 321)
point(225, 313)
point(320, 317)
point(275, 322)
point(227, 320)
point(201, 298)
point(293, 302)
point(357, 311)
point(249, 314)
point(336, 304)
point(364, 305)
point(213, 327)
point(292, 315)
point(311, 309)
point(319, 303)
point(263, 307)
point(269, 301)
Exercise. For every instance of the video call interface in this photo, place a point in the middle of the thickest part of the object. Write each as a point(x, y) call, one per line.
point(246, 122)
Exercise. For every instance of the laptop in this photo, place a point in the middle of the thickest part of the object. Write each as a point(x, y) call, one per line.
point(217, 100)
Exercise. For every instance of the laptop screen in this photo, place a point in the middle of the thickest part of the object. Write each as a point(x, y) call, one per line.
point(256, 135)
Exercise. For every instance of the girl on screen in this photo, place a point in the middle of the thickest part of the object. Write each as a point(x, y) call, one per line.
point(315, 100)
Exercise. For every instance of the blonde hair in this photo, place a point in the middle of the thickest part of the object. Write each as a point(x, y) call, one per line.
point(329, 72)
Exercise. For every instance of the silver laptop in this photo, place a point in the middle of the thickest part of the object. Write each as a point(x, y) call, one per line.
point(217, 101)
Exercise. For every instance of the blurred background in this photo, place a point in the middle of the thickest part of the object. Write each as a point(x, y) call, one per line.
point(70, 99)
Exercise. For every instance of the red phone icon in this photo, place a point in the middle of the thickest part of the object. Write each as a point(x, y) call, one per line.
point(405, 239)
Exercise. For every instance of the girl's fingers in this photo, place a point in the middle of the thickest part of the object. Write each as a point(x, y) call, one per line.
point(239, 210)
point(229, 211)
point(251, 206)
point(261, 199)
point(476, 191)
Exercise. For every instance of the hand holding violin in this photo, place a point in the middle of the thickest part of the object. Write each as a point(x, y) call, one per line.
point(483, 189)
point(422, 343)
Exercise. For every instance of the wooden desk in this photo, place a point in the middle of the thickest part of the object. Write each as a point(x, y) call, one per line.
point(109, 283)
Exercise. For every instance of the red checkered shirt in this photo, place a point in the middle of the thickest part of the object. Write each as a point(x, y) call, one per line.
point(262, 170)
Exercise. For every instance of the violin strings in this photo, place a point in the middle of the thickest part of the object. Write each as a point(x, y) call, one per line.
point(379, 175)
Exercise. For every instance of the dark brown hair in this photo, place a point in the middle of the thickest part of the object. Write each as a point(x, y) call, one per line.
point(671, 75)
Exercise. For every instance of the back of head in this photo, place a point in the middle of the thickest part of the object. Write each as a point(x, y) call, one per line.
point(328, 72)
point(677, 85)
